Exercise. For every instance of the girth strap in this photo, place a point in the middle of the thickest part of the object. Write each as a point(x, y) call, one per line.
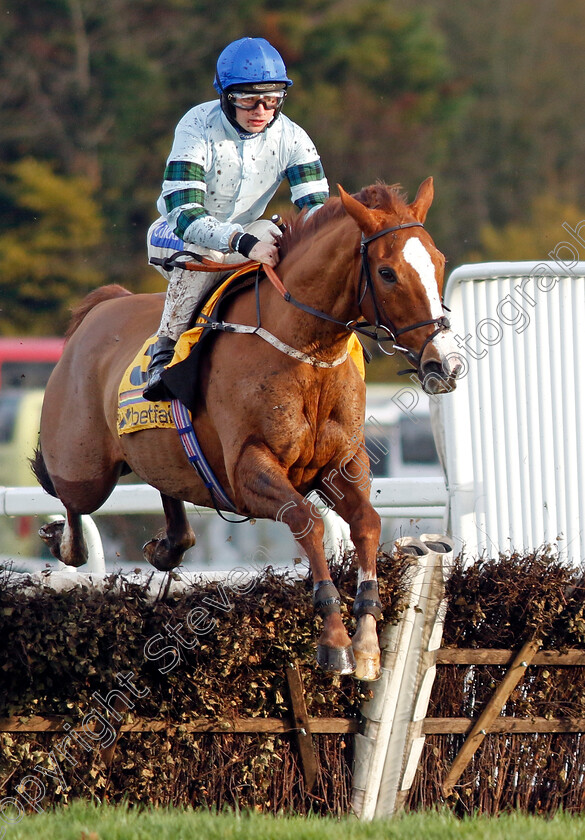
point(196, 457)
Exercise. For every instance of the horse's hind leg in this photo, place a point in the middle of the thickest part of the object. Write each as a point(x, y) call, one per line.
point(167, 552)
point(65, 540)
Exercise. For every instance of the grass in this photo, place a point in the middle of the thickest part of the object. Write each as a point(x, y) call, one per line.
point(84, 821)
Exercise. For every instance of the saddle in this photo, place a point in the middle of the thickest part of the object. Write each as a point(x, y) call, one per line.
point(181, 377)
point(134, 412)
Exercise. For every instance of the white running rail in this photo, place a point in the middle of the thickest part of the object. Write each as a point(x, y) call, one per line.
point(515, 450)
point(392, 497)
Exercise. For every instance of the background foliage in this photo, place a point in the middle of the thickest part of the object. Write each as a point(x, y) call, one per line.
point(486, 96)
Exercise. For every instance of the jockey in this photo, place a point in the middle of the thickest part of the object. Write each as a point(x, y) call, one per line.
point(228, 158)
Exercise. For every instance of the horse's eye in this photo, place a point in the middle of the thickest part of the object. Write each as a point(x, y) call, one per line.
point(387, 274)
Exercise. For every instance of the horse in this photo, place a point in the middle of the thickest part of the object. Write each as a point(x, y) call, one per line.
point(273, 425)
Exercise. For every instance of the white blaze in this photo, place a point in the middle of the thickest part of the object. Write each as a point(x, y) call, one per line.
point(416, 255)
point(419, 258)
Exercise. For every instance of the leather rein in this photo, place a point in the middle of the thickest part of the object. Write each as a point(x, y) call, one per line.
point(365, 286)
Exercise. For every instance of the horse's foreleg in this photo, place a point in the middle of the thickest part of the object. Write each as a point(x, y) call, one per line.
point(353, 505)
point(167, 552)
point(263, 488)
point(334, 650)
point(65, 539)
point(367, 609)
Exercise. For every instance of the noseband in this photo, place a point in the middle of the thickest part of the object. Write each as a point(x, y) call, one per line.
point(366, 285)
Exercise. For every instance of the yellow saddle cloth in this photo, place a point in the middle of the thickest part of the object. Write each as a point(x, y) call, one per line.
point(134, 412)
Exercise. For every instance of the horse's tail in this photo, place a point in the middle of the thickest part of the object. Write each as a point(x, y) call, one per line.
point(39, 468)
point(91, 300)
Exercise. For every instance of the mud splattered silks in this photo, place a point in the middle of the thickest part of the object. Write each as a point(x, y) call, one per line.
point(218, 179)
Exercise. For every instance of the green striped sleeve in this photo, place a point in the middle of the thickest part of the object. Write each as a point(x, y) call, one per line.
point(184, 170)
point(186, 218)
point(311, 200)
point(304, 173)
point(180, 197)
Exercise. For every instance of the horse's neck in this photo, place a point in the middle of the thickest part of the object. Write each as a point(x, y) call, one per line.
point(322, 274)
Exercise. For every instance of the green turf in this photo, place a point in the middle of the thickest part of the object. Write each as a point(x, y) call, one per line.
point(82, 821)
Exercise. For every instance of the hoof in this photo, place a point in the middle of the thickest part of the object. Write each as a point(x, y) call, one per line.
point(367, 667)
point(336, 660)
point(156, 552)
point(51, 534)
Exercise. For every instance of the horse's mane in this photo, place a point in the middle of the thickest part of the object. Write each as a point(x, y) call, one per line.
point(91, 300)
point(379, 196)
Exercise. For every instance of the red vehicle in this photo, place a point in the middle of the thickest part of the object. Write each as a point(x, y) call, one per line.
point(28, 362)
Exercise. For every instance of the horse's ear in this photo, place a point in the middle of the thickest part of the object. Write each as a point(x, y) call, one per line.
point(423, 200)
point(358, 211)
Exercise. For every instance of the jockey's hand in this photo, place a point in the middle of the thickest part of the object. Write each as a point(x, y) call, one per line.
point(265, 253)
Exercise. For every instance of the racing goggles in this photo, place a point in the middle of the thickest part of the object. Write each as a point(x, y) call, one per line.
point(248, 101)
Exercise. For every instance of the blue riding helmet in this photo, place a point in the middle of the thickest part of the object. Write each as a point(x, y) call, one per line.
point(251, 65)
point(249, 61)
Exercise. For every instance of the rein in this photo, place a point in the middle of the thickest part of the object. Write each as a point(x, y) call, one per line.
point(366, 285)
point(202, 264)
point(205, 264)
point(364, 327)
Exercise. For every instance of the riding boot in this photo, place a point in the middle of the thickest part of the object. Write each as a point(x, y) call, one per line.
point(162, 354)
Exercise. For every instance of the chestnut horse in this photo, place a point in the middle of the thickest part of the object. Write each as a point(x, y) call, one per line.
point(273, 427)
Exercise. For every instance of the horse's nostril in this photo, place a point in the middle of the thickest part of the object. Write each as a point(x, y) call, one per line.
point(434, 378)
point(433, 369)
point(457, 370)
point(449, 368)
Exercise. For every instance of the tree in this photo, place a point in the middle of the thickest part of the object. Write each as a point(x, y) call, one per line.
point(539, 236)
point(46, 250)
point(95, 87)
point(371, 87)
point(518, 69)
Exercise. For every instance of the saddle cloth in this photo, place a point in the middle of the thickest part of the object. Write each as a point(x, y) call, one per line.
point(134, 412)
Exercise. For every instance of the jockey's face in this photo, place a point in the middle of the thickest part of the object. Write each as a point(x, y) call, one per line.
point(254, 121)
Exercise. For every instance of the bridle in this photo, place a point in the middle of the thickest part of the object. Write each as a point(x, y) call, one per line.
point(442, 324)
point(365, 286)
